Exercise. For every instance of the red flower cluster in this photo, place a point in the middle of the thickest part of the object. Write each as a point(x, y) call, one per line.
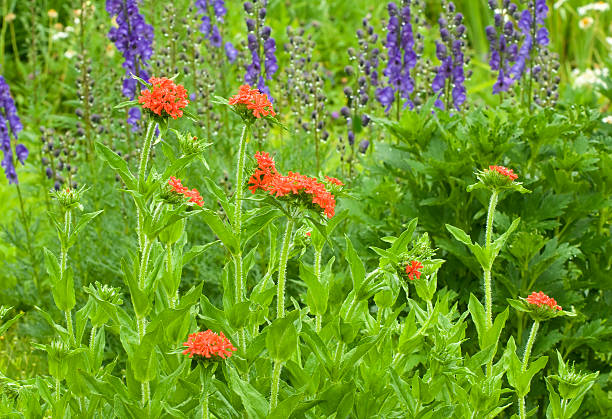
point(208, 344)
point(254, 100)
point(539, 299)
point(504, 171)
point(413, 269)
point(164, 96)
point(267, 178)
point(193, 195)
point(334, 181)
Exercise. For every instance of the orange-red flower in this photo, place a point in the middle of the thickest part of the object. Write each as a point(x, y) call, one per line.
point(193, 195)
point(267, 178)
point(208, 344)
point(504, 171)
point(165, 98)
point(540, 299)
point(413, 269)
point(254, 100)
point(334, 181)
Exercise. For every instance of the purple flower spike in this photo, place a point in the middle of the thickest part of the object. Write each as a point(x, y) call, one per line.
point(9, 123)
point(133, 37)
point(401, 58)
point(448, 83)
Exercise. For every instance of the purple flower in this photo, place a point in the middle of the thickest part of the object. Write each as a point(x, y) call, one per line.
point(401, 58)
point(133, 37)
point(351, 137)
point(22, 153)
point(452, 59)
point(262, 46)
point(9, 120)
point(133, 118)
point(231, 52)
point(363, 146)
point(213, 12)
point(385, 96)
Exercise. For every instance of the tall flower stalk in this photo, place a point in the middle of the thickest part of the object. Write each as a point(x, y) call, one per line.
point(251, 105)
point(401, 59)
point(162, 99)
point(10, 125)
point(449, 82)
point(262, 47)
point(503, 43)
point(133, 37)
point(494, 179)
point(540, 307)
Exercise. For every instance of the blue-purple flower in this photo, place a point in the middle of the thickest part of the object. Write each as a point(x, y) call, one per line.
point(262, 48)
point(214, 12)
point(10, 124)
point(133, 37)
point(401, 57)
point(449, 81)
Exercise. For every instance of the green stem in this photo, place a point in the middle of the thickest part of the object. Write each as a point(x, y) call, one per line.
point(490, 217)
point(487, 270)
point(530, 342)
point(57, 389)
point(92, 339)
point(278, 366)
point(144, 154)
point(282, 269)
point(317, 271)
point(144, 264)
point(205, 414)
point(63, 267)
point(239, 280)
point(69, 325)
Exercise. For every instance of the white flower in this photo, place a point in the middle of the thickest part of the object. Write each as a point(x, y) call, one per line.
point(69, 54)
point(607, 119)
point(589, 78)
point(59, 35)
point(559, 4)
point(598, 6)
point(69, 29)
point(609, 41)
point(585, 22)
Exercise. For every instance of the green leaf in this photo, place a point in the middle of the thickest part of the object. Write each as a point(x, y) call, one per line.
point(282, 339)
point(255, 405)
point(126, 104)
point(357, 268)
point(221, 230)
point(52, 265)
point(501, 240)
point(83, 221)
point(140, 300)
point(196, 251)
point(459, 234)
point(401, 244)
point(177, 165)
point(117, 164)
point(5, 326)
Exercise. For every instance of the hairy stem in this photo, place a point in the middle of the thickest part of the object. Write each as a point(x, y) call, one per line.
point(276, 372)
point(144, 153)
point(282, 269)
point(530, 342)
point(487, 269)
point(317, 271)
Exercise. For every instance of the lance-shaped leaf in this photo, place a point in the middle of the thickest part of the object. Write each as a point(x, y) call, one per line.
point(117, 164)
